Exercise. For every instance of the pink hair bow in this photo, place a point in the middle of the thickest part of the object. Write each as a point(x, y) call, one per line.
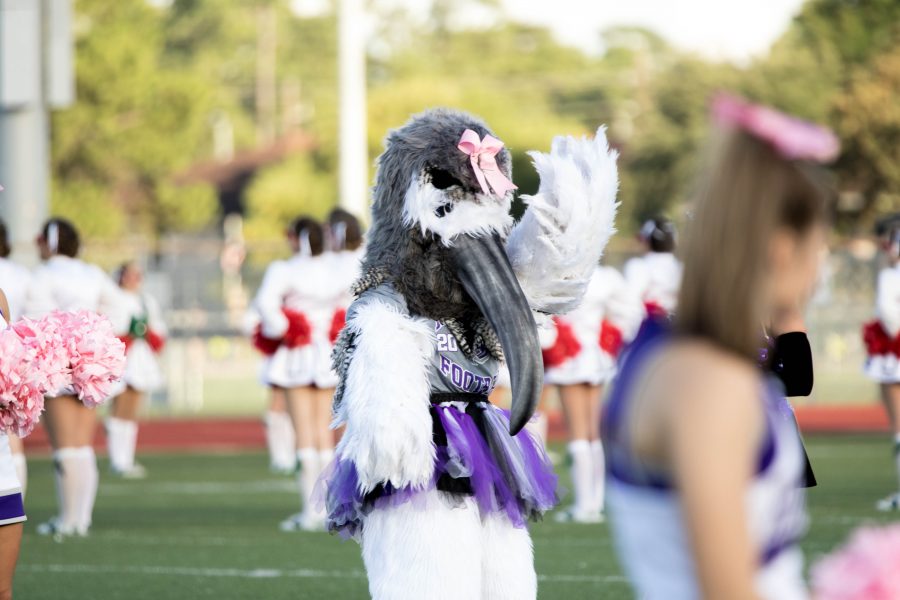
point(482, 153)
point(792, 138)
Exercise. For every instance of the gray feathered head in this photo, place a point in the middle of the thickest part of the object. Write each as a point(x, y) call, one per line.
point(438, 225)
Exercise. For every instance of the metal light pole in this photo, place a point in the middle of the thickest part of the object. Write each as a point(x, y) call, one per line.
point(354, 162)
point(35, 75)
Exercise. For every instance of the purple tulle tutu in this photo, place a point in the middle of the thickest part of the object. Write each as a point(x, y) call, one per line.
point(476, 457)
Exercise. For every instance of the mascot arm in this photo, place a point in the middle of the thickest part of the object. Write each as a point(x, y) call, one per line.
point(386, 399)
point(557, 244)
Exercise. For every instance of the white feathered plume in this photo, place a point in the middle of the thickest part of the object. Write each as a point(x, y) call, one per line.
point(556, 246)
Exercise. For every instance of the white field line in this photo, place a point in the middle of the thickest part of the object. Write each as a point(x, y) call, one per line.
point(260, 573)
point(200, 487)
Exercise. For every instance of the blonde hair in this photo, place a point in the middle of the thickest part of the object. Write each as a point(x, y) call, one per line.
point(748, 193)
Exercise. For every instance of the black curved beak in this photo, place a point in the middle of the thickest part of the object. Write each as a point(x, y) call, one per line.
point(485, 273)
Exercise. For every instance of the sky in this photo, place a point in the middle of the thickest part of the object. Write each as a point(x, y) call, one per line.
point(734, 30)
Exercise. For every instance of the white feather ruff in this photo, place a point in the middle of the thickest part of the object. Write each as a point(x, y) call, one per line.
point(485, 215)
point(387, 398)
point(560, 239)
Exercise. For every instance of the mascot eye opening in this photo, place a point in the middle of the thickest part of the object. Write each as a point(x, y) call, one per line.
point(442, 179)
point(443, 210)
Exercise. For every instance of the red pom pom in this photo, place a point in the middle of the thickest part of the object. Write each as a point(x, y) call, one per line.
point(267, 346)
point(337, 323)
point(877, 340)
point(155, 341)
point(565, 347)
point(299, 331)
point(127, 340)
point(610, 338)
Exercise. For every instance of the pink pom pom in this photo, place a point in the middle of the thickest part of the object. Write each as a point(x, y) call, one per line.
point(62, 350)
point(96, 355)
point(22, 384)
point(866, 568)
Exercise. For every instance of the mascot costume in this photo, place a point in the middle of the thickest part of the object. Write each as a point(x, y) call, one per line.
point(435, 483)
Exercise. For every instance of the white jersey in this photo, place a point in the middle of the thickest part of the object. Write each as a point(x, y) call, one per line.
point(655, 278)
point(142, 370)
point(347, 268)
point(308, 285)
point(885, 368)
point(607, 298)
point(63, 283)
point(14, 281)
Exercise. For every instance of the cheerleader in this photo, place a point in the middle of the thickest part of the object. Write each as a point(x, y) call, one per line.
point(63, 282)
point(346, 242)
point(882, 340)
point(656, 276)
point(140, 325)
point(296, 307)
point(14, 279)
point(580, 361)
point(704, 493)
point(12, 509)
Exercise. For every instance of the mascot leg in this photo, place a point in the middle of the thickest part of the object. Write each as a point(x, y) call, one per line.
point(508, 567)
point(426, 549)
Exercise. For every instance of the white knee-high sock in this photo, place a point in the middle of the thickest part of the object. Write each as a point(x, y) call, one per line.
point(68, 486)
point(129, 443)
point(280, 440)
point(308, 459)
point(582, 474)
point(21, 470)
point(87, 489)
point(598, 462)
point(116, 442)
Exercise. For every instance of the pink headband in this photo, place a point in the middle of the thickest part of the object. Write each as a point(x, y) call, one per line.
point(792, 138)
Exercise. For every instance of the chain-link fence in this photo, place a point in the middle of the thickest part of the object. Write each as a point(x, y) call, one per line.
point(205, 285)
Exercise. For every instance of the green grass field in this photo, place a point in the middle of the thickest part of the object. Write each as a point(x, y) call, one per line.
point(205, 526)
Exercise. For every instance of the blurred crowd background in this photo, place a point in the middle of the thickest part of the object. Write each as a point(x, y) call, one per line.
point(201, 127)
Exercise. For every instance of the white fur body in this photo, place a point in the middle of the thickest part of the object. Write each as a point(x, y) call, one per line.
point(387, 397)
point(440, 549)
point(558, 243)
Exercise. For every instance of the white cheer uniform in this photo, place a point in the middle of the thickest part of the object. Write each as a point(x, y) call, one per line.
point(14, 281)
point(142, 370)
point(11, 507)
point(608, 297)
point(655, 278)
point(885, 368)
point(306, 284)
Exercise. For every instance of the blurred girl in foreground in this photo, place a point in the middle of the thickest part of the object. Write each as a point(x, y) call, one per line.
point(705, 493)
